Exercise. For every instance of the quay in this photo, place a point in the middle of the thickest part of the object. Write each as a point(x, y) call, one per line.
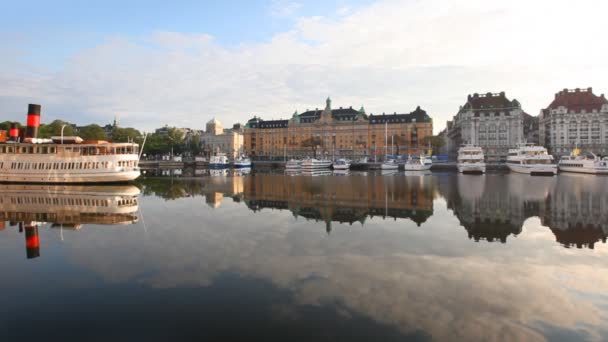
point(275, 164)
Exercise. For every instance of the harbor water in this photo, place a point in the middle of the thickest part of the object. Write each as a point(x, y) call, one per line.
point(357, 256)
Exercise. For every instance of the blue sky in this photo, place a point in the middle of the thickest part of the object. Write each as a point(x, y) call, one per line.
point(181, 63)
point(58, 29)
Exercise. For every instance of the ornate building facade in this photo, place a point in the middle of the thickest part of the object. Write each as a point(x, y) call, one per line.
point(344, 132)
point(575, 117)
point(489, 120)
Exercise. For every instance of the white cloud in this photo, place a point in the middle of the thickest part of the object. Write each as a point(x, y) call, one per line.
point(284, 8)
point(389, 56)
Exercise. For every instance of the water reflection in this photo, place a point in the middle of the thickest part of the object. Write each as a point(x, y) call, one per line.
point(490, 207)
point(64, 207)
point(493, 207)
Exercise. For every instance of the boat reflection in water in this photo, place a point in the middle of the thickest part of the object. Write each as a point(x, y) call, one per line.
point(66, 207)
point(492, 207)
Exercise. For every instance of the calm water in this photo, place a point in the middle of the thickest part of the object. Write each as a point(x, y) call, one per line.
point(275, 257)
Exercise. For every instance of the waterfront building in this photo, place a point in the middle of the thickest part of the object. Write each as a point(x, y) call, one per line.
point(575, 117)
point(342, 132)
point(217, 139)
point(491, 121)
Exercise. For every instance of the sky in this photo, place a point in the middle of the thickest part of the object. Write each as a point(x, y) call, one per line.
point(182, 63)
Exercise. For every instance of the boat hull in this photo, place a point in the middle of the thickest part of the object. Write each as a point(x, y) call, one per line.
point(341, 167)
point(588, 170)
point(218, 166)
point(389, 166)
point(533, 169)
point(420, 167)
point(316, 165)
point(72, 177)
point(242, 165)
point(472, 167)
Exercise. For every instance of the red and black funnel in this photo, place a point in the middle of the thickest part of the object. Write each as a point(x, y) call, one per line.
point(33, 121)
point(32, 241)
point(13, 132)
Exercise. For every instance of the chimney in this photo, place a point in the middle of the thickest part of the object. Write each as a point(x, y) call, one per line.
point(33, 121)
point(32, 241)
point(590, 89)
point(469, 97)
point(502, 94)
point(13, 132)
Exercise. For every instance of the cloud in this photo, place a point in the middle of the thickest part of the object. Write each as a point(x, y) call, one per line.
point(284, 8)
point(388, 56)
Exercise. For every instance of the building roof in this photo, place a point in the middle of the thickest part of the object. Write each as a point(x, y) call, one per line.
point(341, 114)
point(259, 123)
point(417, 115)
point(489, 101)
point(577, 100)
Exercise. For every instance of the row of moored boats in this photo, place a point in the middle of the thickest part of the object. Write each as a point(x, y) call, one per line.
point(532, 159)
point(418, 163)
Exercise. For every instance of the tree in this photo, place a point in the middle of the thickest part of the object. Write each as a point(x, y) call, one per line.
point(436, 142)
point(6, 125)
point(312, 142)
point(54, 129)
point(92, 132)
point(126, 134)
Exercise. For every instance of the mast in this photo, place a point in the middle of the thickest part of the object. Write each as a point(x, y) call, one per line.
point(385, 137)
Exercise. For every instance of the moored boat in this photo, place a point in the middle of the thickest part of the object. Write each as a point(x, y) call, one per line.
point(219, 161)
point(293, 164)
point(389, 164)
point(589, 163)
point(315, 164)
point(531, 159)
point(341, 164)
point(420, 163)
point(471, 159)
point(242, 162)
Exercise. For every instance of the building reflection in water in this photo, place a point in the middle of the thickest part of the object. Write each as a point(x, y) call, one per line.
point(65, 207)
point(493, 206)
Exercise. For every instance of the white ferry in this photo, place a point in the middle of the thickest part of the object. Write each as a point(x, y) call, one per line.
point(531, 159)
point(471, 159)
point(583, 164)
point(242, 162)
point(389, 164)
point(68, 160)
point(219, 161)
point(422, 163)
point(315, 164)
point(64, 159)
point(341, 164)
point(293, 164)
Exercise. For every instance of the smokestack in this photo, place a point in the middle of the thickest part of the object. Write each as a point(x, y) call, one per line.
point(32, 241)
point(33, 121)
point(13, 132)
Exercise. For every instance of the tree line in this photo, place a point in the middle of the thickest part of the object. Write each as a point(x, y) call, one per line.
point(155, 143)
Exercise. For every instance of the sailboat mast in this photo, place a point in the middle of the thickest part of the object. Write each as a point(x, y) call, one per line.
point(385, 138)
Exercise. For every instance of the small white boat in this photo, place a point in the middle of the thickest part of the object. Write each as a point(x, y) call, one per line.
point(421, 163)
point(219, 161)
point(315, 164)
point(471, 159)
point(341, 164)
point(390, 164)
point(242, 162)
point(293, 164)
point(589, 163)
point(531, 159)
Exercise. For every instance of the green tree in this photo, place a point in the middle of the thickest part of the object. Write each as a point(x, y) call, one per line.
point(92, 132)
point(54, 129)
point(436, 142)
point(126, 134)
point(6, 125)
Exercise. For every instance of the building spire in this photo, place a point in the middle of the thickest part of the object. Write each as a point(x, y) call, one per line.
point(328, 103)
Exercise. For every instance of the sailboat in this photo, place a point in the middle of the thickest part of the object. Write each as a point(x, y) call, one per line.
point(388, 164)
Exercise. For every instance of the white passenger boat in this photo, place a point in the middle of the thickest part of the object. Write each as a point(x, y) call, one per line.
point(315, 164)
point(389, 164)
point(242, 162)
point(531, 159)
point(421, 163)
point(589, 163)
point(293, 164)
point(219, 161)
point(341, 164)
point(471, 159)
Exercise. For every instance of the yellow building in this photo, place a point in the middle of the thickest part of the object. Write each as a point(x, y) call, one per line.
point(343, 132)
